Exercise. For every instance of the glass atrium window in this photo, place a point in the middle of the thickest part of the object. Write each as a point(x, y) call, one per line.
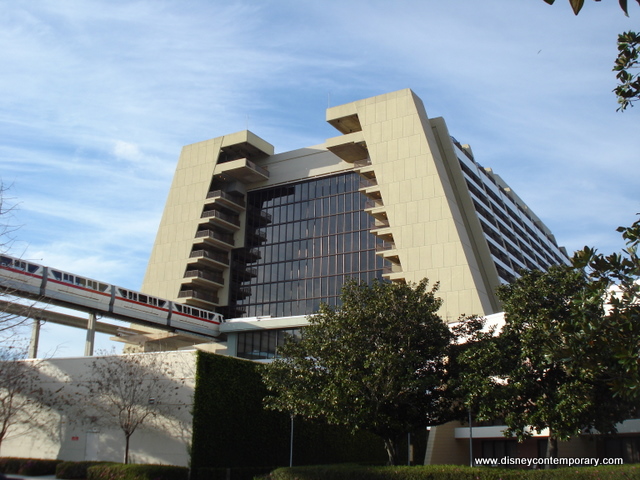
point(305, 239)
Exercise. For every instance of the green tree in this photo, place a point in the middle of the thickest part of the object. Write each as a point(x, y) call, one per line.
point(376, 363)
point(628, 90)
point(567, 358)
point(617, 333)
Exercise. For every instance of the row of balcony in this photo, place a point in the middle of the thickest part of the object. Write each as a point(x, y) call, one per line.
point(220, 220)
point(352, 147)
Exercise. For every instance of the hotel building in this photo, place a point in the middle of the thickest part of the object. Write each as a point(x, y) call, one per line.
point(251, 233)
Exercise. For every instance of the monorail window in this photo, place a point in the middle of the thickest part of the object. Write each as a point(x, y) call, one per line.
point(6, 261)
point(67, 278)
point(57, 275)
point(32, 268)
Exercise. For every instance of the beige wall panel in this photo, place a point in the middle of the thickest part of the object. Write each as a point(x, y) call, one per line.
point(415, 190)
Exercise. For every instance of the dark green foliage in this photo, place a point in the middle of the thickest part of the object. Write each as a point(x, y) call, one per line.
point(116, 471)
point(75, 470)
point(28, 466)
point(628, 90)
point(237, 473)
point(567, 357)
point(376, 363)
point(232, 429)
point(451, 472)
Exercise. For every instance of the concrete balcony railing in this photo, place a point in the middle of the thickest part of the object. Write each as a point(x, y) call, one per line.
point(217, 257)
point(220, 216)
point(208, 276)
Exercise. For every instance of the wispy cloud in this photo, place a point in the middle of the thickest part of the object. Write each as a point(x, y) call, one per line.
point(97, 98)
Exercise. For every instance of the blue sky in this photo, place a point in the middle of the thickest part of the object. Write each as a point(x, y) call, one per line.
point(98, 97)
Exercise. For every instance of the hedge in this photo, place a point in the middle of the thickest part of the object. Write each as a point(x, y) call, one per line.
point(231, 428)
point(451, 472)
point(28, 466)
point(238, 473)
point(116, 471)
point(75, 470)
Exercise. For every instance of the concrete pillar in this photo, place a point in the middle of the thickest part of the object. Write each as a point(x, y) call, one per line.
point(35, 339)
point(91, 335)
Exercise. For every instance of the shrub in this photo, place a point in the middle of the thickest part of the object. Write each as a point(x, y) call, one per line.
point(75, 470)
point(450, 472)
point(237, 473)
point(136, 472)
point(28, 466)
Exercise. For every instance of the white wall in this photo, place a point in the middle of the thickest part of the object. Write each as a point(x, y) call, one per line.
point(67, 431)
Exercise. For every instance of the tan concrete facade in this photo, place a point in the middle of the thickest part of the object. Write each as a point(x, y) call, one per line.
point(418, 195)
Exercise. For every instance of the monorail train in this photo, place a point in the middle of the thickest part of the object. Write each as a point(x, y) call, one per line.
point(67, 289)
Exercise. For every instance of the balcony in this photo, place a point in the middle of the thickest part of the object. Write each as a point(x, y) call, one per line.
point(243, 274)
point(243, 170)
point(259, 217)
point(224, 220)
point(346, 123)
point(256, 236)
point(364, 168)
point(376, 209)
point(204, 278)
point(350, 147)
point(388, 252)
point(233, 202)
point(217, 239)
point(393, 273)
point(199, 299)
point(382, 230)
point(370, 188)
point(248, 255)
point(215, 259)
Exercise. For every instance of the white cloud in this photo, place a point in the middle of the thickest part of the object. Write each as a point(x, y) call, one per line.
point(97, 99)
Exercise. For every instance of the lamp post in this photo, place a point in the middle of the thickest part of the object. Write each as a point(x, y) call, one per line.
point(291, 444)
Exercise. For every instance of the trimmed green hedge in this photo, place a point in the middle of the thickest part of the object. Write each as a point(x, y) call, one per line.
point(451, 472)
point(237, 473)
point(76, 470)
point(28, 466)
point(136, 472)
point(232, 429)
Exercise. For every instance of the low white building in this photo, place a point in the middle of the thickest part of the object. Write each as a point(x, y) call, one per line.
point(73, 426)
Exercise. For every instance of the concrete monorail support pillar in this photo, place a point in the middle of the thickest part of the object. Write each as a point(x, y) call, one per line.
point(35, 339)
point(91, 335)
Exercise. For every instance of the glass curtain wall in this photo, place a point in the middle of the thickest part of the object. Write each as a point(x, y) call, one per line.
point(302, 241)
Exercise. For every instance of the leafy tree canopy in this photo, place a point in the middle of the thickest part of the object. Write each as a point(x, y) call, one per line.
point(378, 362)
point(567, 357)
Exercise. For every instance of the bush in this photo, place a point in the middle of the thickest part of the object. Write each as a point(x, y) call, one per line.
point(75, 470)
point(450, 472)
point(236, 473)
point(114, 471)
point(28, 466)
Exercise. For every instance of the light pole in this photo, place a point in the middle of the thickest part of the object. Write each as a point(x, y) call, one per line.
point(291, 444)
